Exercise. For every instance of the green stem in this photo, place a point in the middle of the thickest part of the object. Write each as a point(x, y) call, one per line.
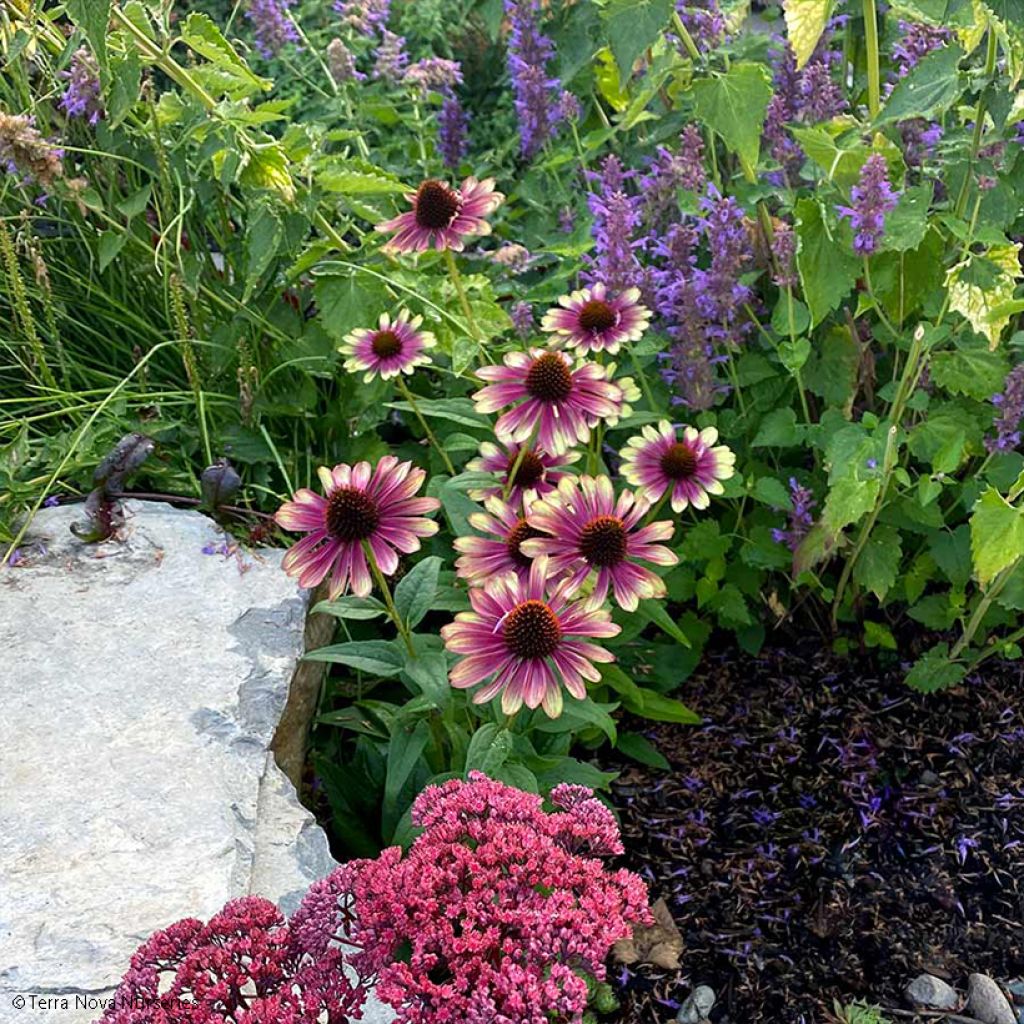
point(467, 311)
point(911, 373)
point(979, 122)
point(874, 72)
point(796, 373)
point(385, 591)
point(684, 35)
point(410, 398)
point(983, 606)
point(657, 506)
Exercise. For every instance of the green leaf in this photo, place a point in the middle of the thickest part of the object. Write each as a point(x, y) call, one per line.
point(840, 162)
point(93, 18)
point(578, 715)
point(518, 776)
point(848, 501)
point(568, 769)
point(877, 634)
point(378, 657)
point(778, 429)
point(638, 700)
point(352, 607)
point(975, 372)
point(934, 671)
point(832, 372)
point(805, 21)
point(654, 611)
point(488, 749)
point(828, 270)
point(878, 566)
point(358, 180)
point(347, 301)
point(907, 224)
point(428, 673)
point(639, 748)
point(997, 535)
point(734, 105)
point(772, 492)
point(632, 26)
point(455, 410)
point(262, 238)
point(201, 34)
point(929, 90)
point(133, 205)
point(404, 750)
point(110, 244)
point(415, 591)
point(457, 509)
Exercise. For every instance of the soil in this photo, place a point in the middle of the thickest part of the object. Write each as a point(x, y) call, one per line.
point(828, 834)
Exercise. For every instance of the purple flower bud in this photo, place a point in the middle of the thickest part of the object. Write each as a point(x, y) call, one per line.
point(342, 63)
point(367, 17)
point(521, 314)
point(391, 58)
point(800, 517)
point(784, 255)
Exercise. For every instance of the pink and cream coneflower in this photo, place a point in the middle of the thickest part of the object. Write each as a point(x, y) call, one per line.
point(441, 216)
point(587, 530)
point(499, 551)
point(393, 347)
point(533, 475)
point(591, 320)
point(361, 505)
point(690, 468)
point(525, 642)
point(554, 402)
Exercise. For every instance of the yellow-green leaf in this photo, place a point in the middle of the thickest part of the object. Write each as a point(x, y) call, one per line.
point(981, 305)
point(805, 21)
point(997, 535)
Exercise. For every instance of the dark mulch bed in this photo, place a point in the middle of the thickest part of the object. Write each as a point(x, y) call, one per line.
point(829, 833)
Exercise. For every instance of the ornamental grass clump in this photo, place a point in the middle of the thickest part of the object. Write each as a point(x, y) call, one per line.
point(499, 913)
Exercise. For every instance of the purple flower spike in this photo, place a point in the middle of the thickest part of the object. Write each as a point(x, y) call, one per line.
point(870, 200)
point(451, 131)
point(800, 517)
point(537, 94)
point(272, 25)
point(1009, 404)
point(83, 98)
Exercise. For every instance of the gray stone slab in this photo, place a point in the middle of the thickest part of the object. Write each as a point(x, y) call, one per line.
point(141, 683)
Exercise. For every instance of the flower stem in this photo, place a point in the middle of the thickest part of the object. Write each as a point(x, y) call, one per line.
point(874, 73)
point(467, 312)
point(983, 606)
point(431, 437)
point(684, 35)
point(385, 591)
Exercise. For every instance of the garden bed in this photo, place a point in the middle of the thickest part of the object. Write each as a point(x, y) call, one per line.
point(828, 834)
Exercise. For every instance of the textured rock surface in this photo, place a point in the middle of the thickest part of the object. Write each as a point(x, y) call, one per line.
point(142, 683)
point(933, 993)
point(985, 1000)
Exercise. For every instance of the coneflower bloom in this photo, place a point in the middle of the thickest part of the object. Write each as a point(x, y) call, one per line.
point(498, 552)
point(526, 641)
point(360, 503)
point(393, 347)
point(587, 530)
point(442, 216)
point(691, 468)
point(553, 401)
point(591, 320)
point(533, 475)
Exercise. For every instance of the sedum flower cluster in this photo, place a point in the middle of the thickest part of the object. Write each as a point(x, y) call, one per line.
point(499, 913)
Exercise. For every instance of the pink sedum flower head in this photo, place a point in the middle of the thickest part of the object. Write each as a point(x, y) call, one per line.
point(690, 468)
point(442, 216)
point(499, 551)
point(361, 504)
point(587, 530)
point(527, 643)
point(496, 913)
point(553, 401)
point(393, 347)
point(591, 320)
point(536, 474)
